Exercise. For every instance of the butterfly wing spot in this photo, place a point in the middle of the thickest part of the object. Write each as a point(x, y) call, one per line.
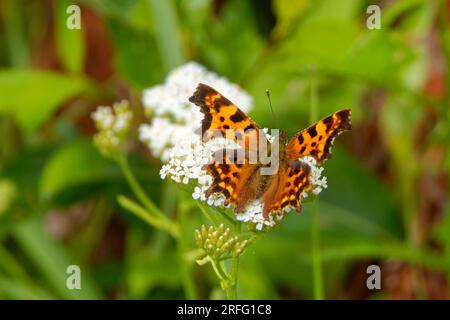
point(317, 140)
point(238, 116)
point(312, 131)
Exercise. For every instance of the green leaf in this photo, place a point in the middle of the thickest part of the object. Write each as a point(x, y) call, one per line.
point(148, 271)
point(17, 283)
point(15, 36)
point(127, 11)
point(324, 43)
point(373, 58)
point(369, 201)
point(165, 16)
point(253, 281)
point(11, 288)
point(238, 29)
point(32, 95)
point(384, 250)
point(70, 45)
point(288, 13)
point(136, 54)
point(51, 260)
point(74, 164)
point(24, 172)
point(332, 9)
point(401, 9)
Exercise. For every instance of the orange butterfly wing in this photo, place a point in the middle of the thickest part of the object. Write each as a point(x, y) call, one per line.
point(286, 188)
point(222, 115)
point(317, 140)
point(293, 177)
point(237, 181)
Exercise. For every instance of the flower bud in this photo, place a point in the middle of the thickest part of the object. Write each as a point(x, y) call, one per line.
point(217, 242)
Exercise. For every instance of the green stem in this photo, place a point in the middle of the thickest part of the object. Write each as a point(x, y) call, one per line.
point(151, 214)
point(207, 214)
point(137, 189)
point(316, 258)
point(315, 232)
point(225, 216)
point(234, 271)
point(185, 264)
point(218, 269)
point(152, 220)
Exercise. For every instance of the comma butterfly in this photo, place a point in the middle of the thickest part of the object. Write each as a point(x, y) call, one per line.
point(242, 182)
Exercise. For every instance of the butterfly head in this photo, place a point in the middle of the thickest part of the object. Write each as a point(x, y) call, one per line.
point(283, 136)
point(280, 139)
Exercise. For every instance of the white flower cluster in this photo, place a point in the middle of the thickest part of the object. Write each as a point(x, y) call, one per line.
point(173, 138)
point(253, 213)
point(173, 116)
point(112, 125)
point(319, 183)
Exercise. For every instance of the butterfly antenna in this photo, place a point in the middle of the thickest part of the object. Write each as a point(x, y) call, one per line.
point(270, 104)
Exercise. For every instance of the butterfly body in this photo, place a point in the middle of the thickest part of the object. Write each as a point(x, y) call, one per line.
point(240, 179)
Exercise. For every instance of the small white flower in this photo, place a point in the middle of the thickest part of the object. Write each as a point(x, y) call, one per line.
point(103, 117)
point(112, 125)
point(318, 182)
point(253, 213)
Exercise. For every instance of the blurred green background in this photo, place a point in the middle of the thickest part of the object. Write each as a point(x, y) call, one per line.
point(387, 199)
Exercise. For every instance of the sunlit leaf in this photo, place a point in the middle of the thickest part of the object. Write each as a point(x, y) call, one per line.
point(32, 95)
point(51, 259)
point(75, 163)
point(70, 43)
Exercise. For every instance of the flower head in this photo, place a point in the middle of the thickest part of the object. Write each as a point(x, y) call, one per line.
point(112, 125)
